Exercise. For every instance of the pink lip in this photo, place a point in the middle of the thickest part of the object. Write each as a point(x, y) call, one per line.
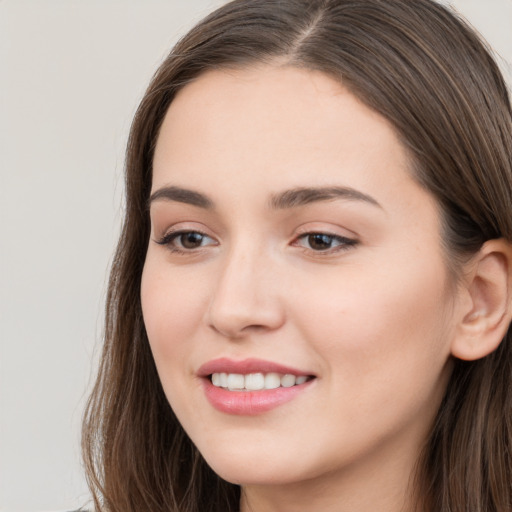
point(248, 403)
point(225, 365)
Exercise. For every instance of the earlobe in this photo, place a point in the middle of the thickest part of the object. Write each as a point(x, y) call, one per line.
point(487, 317)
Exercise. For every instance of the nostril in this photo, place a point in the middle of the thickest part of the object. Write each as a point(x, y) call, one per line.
point(237, 328)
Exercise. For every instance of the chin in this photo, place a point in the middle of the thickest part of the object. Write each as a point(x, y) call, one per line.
point(255, 473)
point(260, 464)
point(244, 467)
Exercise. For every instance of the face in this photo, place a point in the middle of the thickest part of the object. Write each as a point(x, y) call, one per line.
point(294, 262)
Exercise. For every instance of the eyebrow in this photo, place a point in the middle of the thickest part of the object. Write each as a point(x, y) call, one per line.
point(292, 198)
point(182, 195)
point(305, 195)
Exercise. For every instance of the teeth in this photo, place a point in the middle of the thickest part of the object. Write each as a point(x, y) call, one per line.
point(272, 381)
point(287, 381)
point(256, 381)
point(236, 381)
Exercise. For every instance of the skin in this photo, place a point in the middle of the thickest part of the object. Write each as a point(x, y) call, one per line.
point(373, 320)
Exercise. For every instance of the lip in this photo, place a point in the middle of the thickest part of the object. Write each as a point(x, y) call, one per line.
point(245, 366)
point(249, 403)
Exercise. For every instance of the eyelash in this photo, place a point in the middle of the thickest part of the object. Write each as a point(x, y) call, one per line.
point(169, 238)
point(343, 242)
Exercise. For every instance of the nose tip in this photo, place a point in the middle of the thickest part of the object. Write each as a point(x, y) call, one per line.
point(235, 327)
point(245, 301)
point(235, 315)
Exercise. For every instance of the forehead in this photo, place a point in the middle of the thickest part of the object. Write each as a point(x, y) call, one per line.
point(241, 138)
point(287, 122)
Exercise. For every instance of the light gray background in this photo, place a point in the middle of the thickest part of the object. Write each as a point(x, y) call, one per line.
point(71, 74)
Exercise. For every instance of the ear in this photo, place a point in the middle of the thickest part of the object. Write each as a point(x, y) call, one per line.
point(487, 314)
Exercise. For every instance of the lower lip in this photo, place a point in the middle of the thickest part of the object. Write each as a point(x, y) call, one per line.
point(250, 403)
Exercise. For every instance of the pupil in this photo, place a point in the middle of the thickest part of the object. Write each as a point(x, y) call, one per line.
point(320, 242)
point(191, 240)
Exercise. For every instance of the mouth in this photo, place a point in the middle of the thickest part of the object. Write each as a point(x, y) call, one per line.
point(257, 381)
point(251, 386)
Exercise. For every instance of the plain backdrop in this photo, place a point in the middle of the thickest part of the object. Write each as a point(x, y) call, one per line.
point(71, 75)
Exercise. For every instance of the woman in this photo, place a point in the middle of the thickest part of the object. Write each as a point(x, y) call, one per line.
point(310, 303)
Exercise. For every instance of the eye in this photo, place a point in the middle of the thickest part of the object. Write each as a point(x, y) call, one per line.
point(324, 242)
point(183, 241)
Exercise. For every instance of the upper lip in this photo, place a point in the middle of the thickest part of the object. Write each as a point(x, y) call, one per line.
point(245, 366)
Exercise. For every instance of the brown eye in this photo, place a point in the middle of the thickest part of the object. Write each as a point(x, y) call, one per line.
point(324, 242)
point(184, 241)
point(190, 239)
point(320, 241)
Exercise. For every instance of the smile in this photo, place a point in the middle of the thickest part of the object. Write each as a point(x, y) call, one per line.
point(252, 386)
point(256, 381)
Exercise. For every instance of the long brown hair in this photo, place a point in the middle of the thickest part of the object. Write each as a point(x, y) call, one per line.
point(424, 70)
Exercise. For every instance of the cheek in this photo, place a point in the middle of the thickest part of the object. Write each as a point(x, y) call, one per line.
point(404, 297)
point(382, 329)
point(384, 347)
point(172, 307)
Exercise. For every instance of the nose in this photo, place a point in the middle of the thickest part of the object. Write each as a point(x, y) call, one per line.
point(246, 297)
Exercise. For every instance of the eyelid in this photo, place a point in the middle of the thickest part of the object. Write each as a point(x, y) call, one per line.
point(174, 232)
point(180, 227)
point(328, 228)
point(171, 235)
point(345, 240)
